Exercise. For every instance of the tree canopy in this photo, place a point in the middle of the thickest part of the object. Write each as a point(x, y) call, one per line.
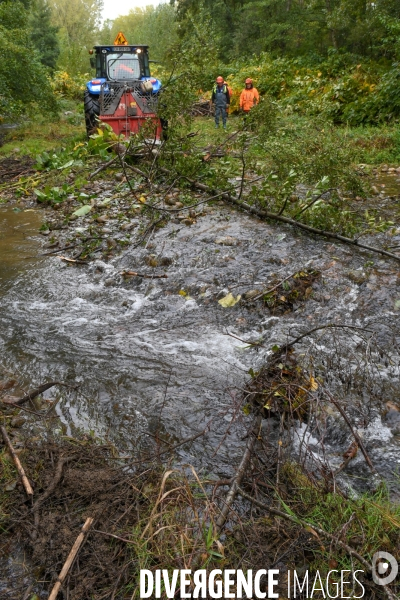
point(44, 34)
point(24, 82)
point(154, 26)
point(295, 27)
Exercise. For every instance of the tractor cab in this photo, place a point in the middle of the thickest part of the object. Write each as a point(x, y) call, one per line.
point(123, 93)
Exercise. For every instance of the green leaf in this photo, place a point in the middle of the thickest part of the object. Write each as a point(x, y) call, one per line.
point(40, 195)
point(105, 203)
point(216, 554)
point(84, 210)
point(67, 164)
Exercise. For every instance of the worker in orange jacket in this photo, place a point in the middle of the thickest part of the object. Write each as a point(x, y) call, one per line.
point(249, 96)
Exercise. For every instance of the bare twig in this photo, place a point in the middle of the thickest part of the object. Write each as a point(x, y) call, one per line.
point(47, 494)
point(71, 557)
point(192, 438)
point(237, 479)
point(346, 462)
point(57, 476)
point(134, 274)
point(328, 326)
point(278, 465)
point(35, 392)
point(263, 293)
point(354, 433)
point(117, 537)
point(104, 166)
point(17, 462)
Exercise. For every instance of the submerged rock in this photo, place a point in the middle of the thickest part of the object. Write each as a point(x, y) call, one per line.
point(357, 276)
point(226, 241)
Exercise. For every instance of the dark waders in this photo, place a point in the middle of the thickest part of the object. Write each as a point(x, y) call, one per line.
point(220, 106)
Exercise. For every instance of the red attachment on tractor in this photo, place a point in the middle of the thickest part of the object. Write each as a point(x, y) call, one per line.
point(130, 107)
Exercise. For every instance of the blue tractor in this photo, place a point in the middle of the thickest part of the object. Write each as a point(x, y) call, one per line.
point(123, 94)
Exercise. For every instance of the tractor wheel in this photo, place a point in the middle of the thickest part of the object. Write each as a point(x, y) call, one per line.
point(92, 110)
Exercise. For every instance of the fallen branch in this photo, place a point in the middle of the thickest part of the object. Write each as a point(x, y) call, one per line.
point(71, 557)
point(265, 214)
point(354, 433)
point(237, 479)
point(35, 392)
point(17, 462)
point(104, 166)
point(134, 274)
point(35, 509)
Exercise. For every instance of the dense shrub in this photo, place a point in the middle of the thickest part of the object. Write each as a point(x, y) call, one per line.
point(24, 82)
point(342, 88)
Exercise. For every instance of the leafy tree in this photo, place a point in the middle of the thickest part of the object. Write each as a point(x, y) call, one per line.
point(44, 35)
point(154, 26)
point(24, 84)
point(301, 27)
point(78, 24)
point(26, 4)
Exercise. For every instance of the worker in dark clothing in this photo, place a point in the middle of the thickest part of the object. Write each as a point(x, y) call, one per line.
point(221, 99)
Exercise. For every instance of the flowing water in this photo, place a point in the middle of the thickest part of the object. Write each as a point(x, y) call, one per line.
point(153, 356)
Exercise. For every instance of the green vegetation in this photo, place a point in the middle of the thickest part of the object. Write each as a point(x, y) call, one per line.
point(44, 34)
point(373, 519)
point(153, 25)
point(24, 84)
point(78, 24)
point(43, 134)
point(301, 27)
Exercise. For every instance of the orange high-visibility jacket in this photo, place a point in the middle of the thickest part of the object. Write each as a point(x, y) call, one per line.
point(248, 98)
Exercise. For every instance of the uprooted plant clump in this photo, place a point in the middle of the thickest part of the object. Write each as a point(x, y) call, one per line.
point(281, 387)
point(285, 295)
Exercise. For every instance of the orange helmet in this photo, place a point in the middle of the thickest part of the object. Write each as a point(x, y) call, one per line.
point(248, 80)
point(220, 79)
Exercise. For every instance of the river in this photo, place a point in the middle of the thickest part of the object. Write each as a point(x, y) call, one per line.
point(153, 356)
